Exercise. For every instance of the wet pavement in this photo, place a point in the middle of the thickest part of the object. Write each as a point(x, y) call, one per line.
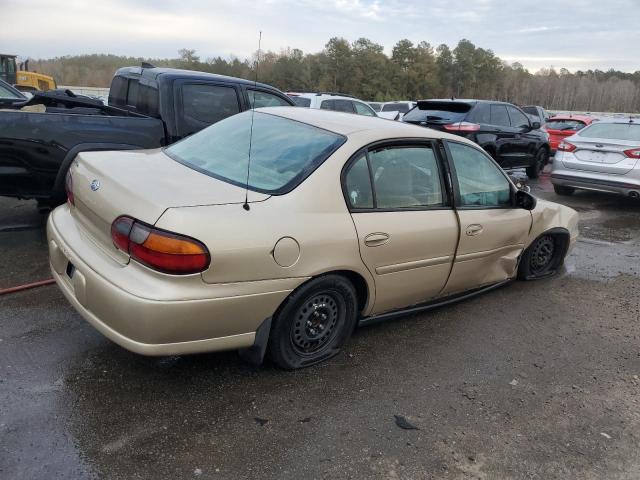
point(535, 380)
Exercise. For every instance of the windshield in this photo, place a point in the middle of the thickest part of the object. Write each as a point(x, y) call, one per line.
point(301, 101)
point(283, 152)
point(564, 125)
point(396, 107)
point(438, 112)
point(613, 131)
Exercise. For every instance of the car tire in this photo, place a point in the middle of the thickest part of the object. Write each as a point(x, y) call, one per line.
point(562, 190)
point(543, 257)
point(540, 161)
point(314, 322)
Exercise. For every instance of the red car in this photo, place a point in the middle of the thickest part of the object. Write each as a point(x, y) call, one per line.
point(563, 126)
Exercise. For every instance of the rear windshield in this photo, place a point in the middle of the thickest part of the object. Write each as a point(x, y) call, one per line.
point(564, 125)
point(438, 112)
point(613, 131)
point(396, 107)
point(301, 101)
point(283, 152)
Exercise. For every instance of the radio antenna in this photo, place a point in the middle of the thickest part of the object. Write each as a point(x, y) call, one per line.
point(253, 112)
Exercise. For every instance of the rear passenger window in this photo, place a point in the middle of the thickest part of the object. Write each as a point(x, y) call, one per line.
point(343, 106)
point(518, 119)
point(499, 116)
point(403, 177)
point(209, 103)
point(327, 105)
point(258, 99)
point(481, 114)
point(358, 184)
point(132, 93)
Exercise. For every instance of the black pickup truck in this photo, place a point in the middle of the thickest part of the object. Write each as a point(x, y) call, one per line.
point(148, 107)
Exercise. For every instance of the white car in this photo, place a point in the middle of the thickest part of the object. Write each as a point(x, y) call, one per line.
point(604, 156)
point(394, 110)
point(332, 101)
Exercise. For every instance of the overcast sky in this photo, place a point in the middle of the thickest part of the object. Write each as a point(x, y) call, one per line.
point(579, 34)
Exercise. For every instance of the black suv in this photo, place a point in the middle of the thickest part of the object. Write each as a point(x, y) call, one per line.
point(502, 129)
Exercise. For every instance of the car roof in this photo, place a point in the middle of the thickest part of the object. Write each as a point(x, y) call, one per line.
point(349, 123)
point(172, 73)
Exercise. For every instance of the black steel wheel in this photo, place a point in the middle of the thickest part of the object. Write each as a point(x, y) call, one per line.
point(543, 257)
point(314, 322)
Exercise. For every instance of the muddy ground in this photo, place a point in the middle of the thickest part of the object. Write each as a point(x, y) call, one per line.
point(535, 380)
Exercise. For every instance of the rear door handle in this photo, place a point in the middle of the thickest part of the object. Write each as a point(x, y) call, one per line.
point(474, 229)
point(376, 239)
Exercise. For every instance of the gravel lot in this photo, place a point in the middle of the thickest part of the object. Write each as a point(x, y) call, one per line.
point(535, 380)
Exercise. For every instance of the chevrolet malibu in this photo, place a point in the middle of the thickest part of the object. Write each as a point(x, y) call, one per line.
point(279, 231)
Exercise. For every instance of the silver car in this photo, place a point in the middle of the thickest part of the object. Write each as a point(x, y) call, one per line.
point(603, 156)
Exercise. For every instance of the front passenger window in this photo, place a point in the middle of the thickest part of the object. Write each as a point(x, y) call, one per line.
point(480, 182)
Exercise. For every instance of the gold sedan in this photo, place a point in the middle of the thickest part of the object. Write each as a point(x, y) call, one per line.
point(281, 233)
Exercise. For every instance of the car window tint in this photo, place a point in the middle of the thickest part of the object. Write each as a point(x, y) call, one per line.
point(301, 101)
point(362, 109)
point(132, 93)
point(283, 152)
point(209, 103)
point(499, 116)
point(327, 105)
point(376, 106)
point(518, 119)
point(531, 111)
point(358, 184)
point(480, 114)
point(258, 99)
point(480, 181)
point(613, 131)
point(406, 177)
point(343, 106)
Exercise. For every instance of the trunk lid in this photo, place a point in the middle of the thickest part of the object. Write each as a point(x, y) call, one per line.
point(141, 184)
point(600, 155)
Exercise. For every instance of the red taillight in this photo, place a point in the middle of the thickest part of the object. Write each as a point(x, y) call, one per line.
point(462, 127)
point(163, 251)
point(566, 147)
point(68, 186)
point(632, 153)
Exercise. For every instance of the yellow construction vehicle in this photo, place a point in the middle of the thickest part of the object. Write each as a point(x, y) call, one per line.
point(21, 77)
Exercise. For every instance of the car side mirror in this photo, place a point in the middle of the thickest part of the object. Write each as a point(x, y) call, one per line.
point(535, 125)
point(525, 200)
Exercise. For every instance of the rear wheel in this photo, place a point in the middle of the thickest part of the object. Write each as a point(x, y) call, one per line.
point(543, 257)
point(561, 190)
point(314, 322)
point(540, 161)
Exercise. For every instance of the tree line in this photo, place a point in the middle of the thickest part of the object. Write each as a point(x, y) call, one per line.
point(412, 71)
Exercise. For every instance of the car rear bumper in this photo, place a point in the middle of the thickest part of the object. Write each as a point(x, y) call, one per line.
point(621, 184)
point(204, 318)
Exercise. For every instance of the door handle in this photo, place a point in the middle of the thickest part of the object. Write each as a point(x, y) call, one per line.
point(376, 239)
point(474, 229)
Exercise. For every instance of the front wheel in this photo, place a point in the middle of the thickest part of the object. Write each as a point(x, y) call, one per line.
point(314, 322)
point(543, 257)
point(540, 161)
